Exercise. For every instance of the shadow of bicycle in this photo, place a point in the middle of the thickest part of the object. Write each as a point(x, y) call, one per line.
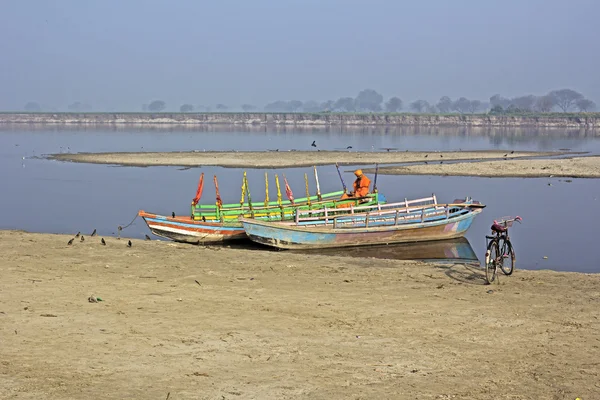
point(470, 273)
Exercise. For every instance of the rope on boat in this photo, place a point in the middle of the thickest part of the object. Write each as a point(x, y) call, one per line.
point(120, 228)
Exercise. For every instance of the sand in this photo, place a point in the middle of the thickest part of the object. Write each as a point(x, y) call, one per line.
point(477, 163)
point(189, 322)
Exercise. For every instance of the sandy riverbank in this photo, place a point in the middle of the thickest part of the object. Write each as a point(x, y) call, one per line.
point(276, 325)
point(517, 164)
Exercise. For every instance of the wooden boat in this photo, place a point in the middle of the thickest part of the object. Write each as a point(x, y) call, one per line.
point(190, 230)
point(408, 221)
point(220, 222)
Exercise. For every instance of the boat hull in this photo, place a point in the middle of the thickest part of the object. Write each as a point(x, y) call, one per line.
point(184, 229)
point(297, 237)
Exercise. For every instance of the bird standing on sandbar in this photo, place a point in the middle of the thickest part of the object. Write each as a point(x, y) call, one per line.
point(78, 233)
point(82, 239)
point(148, 237)
point(129, 243)
point(103, 242)
point(93, 233)
point(70, 242)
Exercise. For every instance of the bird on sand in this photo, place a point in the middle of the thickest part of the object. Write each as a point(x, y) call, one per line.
point(78, 233)
point(512, 152)
point(93, 233)
point(129, 243)
point(173, 214)
point(70, 242)
point(426, 155)
point(314, 144)
point(82, 239)
point(441, 156)
point(103, 242)
point(148, 237)
point(506, 155)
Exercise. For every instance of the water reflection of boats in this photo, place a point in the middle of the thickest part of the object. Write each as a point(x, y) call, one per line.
point(452, 250)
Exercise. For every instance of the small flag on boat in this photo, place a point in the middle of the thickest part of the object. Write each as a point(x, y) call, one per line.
point(199, 190)
point(219, 201)
point(288, 190)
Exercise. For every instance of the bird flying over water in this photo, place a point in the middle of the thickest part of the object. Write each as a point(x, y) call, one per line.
point(314, 144)
point(349, 147)
point(103, 242)
point(129, 243)
point(70, 242)
point(93, 233)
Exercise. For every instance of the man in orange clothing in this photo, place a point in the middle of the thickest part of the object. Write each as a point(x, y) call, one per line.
point(360, 186)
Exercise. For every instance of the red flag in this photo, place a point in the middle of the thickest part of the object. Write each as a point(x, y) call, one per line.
point(199, 191)
point(219, 201)
point(288, 191)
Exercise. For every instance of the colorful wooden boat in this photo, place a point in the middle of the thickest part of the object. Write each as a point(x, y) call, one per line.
point(191, 230)
point(220, 222)
point(408, 221)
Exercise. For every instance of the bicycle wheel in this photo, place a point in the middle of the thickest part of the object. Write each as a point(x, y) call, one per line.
point(491, 261)
point(508, 257)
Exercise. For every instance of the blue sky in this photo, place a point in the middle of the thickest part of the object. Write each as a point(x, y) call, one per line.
point(117, 55)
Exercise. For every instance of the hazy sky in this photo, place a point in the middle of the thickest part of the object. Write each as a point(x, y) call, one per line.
point(116, 54)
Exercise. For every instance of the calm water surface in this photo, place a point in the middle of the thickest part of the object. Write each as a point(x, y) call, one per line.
point(47, 196)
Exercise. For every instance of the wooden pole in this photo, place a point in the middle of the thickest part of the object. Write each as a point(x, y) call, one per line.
point(307, 191)
point(266, 190)
point(318, 187)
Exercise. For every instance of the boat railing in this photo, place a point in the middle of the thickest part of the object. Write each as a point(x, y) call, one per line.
point(397, 217)
point(380, 209)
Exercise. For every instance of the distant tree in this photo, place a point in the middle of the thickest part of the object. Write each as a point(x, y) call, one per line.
point(345, 104)
point(394, 104)
point(585, 105)
point(431, 109)
point(513, 109)
point(248, 107)
point(525, 103)
point(565, 98)
point(419, 106)
point(294, 105)
point(497, 100)
point(221, 107)
point(474, 106)
point(311, 106)
point(497, 109)
point(277, 106)
point(544, 103)
point(185, 108)
point(79, 107)
point(32, 106)
point(368, 100)
point(444, 105)
point(462, 105)
point(157, 106)
point(327, 105)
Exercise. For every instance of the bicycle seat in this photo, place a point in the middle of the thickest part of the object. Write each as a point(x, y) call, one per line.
point(498, 228)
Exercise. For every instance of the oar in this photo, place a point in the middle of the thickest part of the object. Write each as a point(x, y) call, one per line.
point(342, 179)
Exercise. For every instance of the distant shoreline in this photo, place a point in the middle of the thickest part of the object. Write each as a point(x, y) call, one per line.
point(552, 120)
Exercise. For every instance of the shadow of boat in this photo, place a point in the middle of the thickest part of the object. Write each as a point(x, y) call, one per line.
point(457, 250)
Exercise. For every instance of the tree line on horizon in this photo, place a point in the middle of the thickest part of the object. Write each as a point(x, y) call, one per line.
point(370, 101)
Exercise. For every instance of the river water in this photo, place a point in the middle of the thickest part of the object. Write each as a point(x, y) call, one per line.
point(39, 195)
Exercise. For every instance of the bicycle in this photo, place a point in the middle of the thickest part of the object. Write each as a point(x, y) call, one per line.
point(500, 249)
